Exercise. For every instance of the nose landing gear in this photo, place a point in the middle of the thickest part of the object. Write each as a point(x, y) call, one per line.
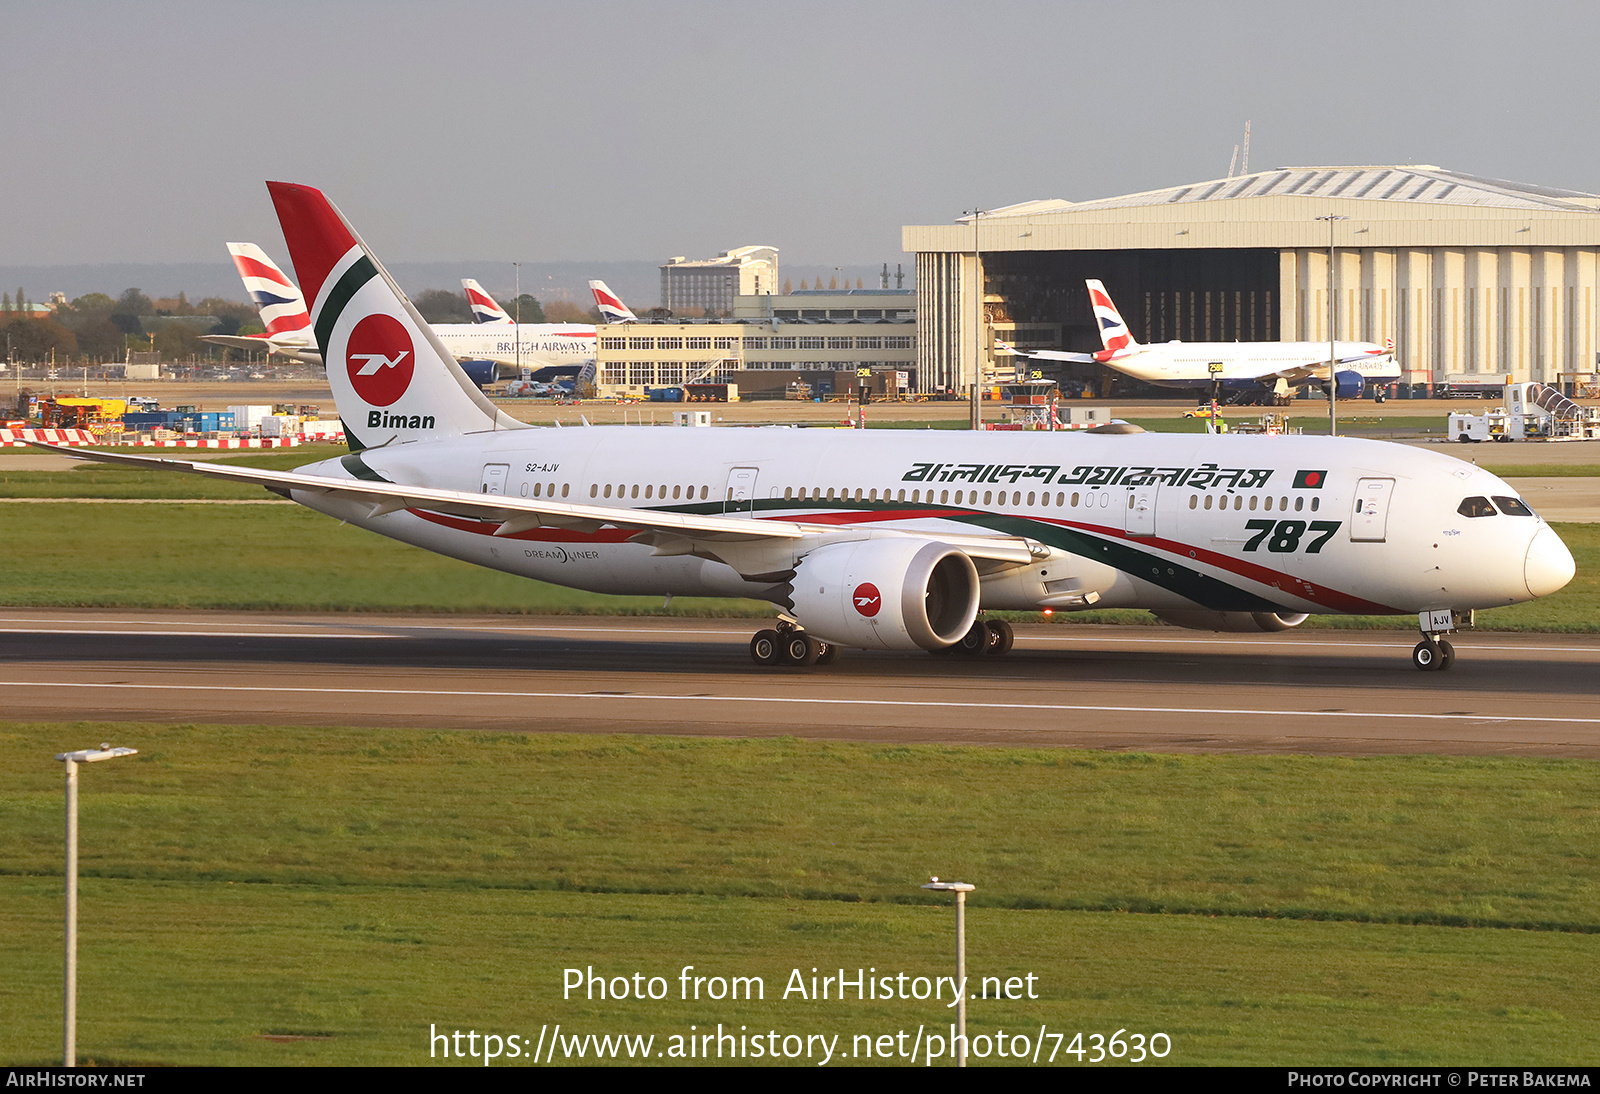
point(1434, 653)
point(1436, 656)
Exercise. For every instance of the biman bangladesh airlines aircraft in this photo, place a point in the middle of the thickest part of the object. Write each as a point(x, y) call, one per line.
point(549, 349)
point(893, 539)
point(1212, 367)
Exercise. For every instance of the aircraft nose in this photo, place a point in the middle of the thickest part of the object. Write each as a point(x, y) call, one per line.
point(1549, 565)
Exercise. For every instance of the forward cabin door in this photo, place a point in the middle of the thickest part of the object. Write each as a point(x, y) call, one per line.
point(1369, 520)
point(741, 490)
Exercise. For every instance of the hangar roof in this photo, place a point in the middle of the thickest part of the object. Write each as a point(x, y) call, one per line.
point(1392, 205)
point(1423, 183)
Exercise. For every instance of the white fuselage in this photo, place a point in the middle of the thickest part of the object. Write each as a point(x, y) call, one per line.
point(1190, 364)
point(1161, 521)
point(530, 345)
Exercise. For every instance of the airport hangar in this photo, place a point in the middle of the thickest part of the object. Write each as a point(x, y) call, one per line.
point(1474, 279)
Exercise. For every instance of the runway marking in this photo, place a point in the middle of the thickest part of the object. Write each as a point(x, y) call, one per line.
point(208, 634)
point(1279, 714)
point(386, 630)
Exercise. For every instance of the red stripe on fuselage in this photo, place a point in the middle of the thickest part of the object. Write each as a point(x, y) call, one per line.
point(1296, 587)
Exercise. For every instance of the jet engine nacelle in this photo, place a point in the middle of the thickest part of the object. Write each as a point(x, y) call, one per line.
point(1349, 384)
point(1202, 620)
point(886, 594)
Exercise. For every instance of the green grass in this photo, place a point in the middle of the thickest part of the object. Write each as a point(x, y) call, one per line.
point(1543, 470)
point(285, 557)
point(265, 557)
point(352, 886)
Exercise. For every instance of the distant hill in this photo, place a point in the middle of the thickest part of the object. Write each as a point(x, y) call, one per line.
point(638, 283)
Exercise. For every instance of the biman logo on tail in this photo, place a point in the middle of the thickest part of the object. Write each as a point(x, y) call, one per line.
point(866, 599)
point(380, 359)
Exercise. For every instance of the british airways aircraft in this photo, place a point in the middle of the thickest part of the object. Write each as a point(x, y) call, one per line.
point(892, 539)
point(1229, 366)
point(551, 350)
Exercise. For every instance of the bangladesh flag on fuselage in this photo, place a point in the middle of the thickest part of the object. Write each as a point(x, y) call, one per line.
point(1309, 480)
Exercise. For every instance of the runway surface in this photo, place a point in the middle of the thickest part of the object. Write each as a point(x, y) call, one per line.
point(1145, 688)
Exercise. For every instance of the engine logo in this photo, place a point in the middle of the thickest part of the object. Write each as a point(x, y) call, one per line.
point(866, 599)
point(380, 359)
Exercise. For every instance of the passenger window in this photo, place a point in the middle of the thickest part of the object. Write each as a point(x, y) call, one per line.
point(1208, 501)
point(1074, 499)
point(1513, 507)
point(564, 488)
point(1475, 507)
point(1252, 503)
point(1299, 503)
point(1314, 503)
point(1194, 501)
point(536, 488)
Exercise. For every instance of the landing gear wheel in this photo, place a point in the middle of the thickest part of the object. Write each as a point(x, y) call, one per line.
point(975, 642)
point(801, 649)
point(1427, 655)
point(829, 653)
point(1001, 637)
point(765, 648)
point(1447, 655)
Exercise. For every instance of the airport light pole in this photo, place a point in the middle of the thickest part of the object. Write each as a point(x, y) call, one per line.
point(975, 412)
point(69, 1044)
point(1333, 381)
point(961, 889)
point(517, 304)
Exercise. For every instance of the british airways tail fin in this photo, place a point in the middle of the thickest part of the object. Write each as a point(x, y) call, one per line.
point(612, 309)
point(1114, 333)
point(484, 308)
point(392, 379)
point(282, 307)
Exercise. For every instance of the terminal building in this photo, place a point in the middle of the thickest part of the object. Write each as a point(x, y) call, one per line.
point(712, 285)
point(1474, 279)
point(769, 344)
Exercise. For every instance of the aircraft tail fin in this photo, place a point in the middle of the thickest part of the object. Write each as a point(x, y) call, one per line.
point(279, 300)
point(1114, 333)
point(392, 378)
point(612, 309)
point(484, 308)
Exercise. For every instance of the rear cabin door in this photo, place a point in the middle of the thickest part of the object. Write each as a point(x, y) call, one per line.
point(741, 490)
point(1142, 509)
point(1369, 520)
point(494, 478)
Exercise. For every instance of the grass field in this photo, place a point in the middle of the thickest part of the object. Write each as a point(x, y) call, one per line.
point(344, 888)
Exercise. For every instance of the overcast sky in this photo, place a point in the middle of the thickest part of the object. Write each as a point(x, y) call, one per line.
point(142, 132)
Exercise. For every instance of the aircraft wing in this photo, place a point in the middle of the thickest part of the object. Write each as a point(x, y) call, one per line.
point(1047, 354)
point(238, 341)
point(516, 514)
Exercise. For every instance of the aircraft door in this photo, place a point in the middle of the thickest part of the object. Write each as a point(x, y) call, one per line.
point(494, 478)
point(1369, 520)
point(741, 490)
point(1142, 509)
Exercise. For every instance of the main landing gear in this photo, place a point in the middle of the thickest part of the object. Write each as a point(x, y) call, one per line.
point(986, 636)
point(786, 644)
point(1435, 653)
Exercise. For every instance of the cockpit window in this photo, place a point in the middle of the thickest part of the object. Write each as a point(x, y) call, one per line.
point(1513, 507)
point(1475, 507)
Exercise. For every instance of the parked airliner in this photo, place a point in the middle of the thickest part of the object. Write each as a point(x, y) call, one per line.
point(550, 350)
point(893, 539)
point(1207, 367)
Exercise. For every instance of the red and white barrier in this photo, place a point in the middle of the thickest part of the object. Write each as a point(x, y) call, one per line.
point(19, 438)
